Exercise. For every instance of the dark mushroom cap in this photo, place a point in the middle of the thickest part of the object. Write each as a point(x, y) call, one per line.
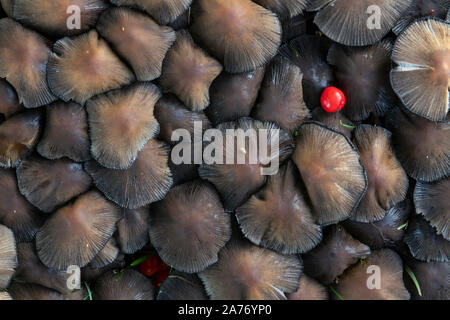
point(278, 217)
point(294, 27)
point(7, 6)
point(352, 284)
point(309, 289)
point(422, 77)
point(333, 255)
point(18, 135)
point(188, 72)
point(132, 230)
point(52, 17)
point(189, 227)
point(76, 233)
point(65, 132)
point(121, 122)
point(247, 272)
point(89, 273)
point(334, 120)
point(281, 96)
point(182, 286)
point(245, 35)
point(49, 184)
point(431, 201)
point(23, 62)
point(129, 285)
point(284, 8)
point(347, 21)
point(84, 66)
point(15, 211)
point(421, 146)
point(31, 291)
point(9, 101)
point(138, 39)
point(106, 256)
point(8, 256)
point(233, 95)
point(331, 169)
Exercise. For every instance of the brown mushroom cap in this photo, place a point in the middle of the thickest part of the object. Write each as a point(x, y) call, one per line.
point(331, 169)
point(422, 78)
point(182, 286)
point(294, 27)
point(89, 273)
point(84, 66)
point(23, 62)
point(106, 256)
point(245, 35)
point(146, 181)
point(247, 272)
point(138, 39)
point(65, 132)
point(76, 233)
point(18, 135)
point(278, 217)
point(132, 230)
point(9, 101)
point(121, 122)
point(7, 6)
point(49, 184)
point(189, 227)
point(188, 72)
point(334, 120)
point(284, 8)
point(8, 256)
point(31, 291)
point(309, 289)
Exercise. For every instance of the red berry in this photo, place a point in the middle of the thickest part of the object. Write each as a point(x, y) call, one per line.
point(332, 99)
point(160, 276)
point(150, 266)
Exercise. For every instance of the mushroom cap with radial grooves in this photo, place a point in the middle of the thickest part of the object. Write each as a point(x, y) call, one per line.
point(347, 21)
point(90, 273)
point(8, 256)
point(106, 256)
point(245, 35)
point(121, 122)
point(84, 66)
point(334, 120)
point(284, 8)
point(309, 289)
point(332, 171)
point(76, 233)
point(48, 184)
point(189, 227)
point(146, 181)
point(31, 291)
point(278, 217)
point(138, 39)
point(23, 62)
point(422, 77)
point(431, 201)
point(182, 286)
point(188, 72)
point(247, 272)
point(65, 132)
point(132, 230)
point(9, 101)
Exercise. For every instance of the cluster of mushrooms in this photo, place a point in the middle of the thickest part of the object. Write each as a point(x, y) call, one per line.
point(86, 121)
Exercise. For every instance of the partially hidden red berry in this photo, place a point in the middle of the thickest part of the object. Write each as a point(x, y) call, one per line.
point(332, 99)
point(160, 276)
point(151, 266)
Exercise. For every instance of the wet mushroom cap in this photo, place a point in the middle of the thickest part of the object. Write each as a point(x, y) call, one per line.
point(182, 286)
point(132, 230)
point(84, 66)
point(334, 120)
point(8, 256)
point(422, 77)
point(23, 61)
point(331, 170)
point(278, 217)
point(189, 227)
point(9, 101)
point(76, 233)
point(49, 184)
point(106, 256)
point(309, 289)
point(138, 39)
point(245, 35)
point(284, 8)
point(121, 122)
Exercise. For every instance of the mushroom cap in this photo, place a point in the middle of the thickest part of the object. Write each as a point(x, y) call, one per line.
point(431, 201)
point(32, 291)
point(18, 135)
point(121, 122)
point(387, 180)
point(15, 211)
point(106, 256)
point(281, 96)
point(278, 217)
point(65, 132)
point(245, 35)
point(8, 256)
point(51, 17)
point(247, 272)
point(23, 62)
point(189, 226)
point(422, 77)
point(352, 23)
point(4, 296)
point(48, 184)
point(182, 286)
point(138, 39)
point(188, 72)
point(76, 233)
point(284, 8)
point(421, 146)
point(333, 255)
point(9, 101)
point(331, 169)
point(146, 181)
point(129, 285)
point(84, 66)
point(294, 27)
point(7, 6)
point(334, 120)
point(132, 230)
point(309, 289)
point(352, 284)
point(89, 273)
